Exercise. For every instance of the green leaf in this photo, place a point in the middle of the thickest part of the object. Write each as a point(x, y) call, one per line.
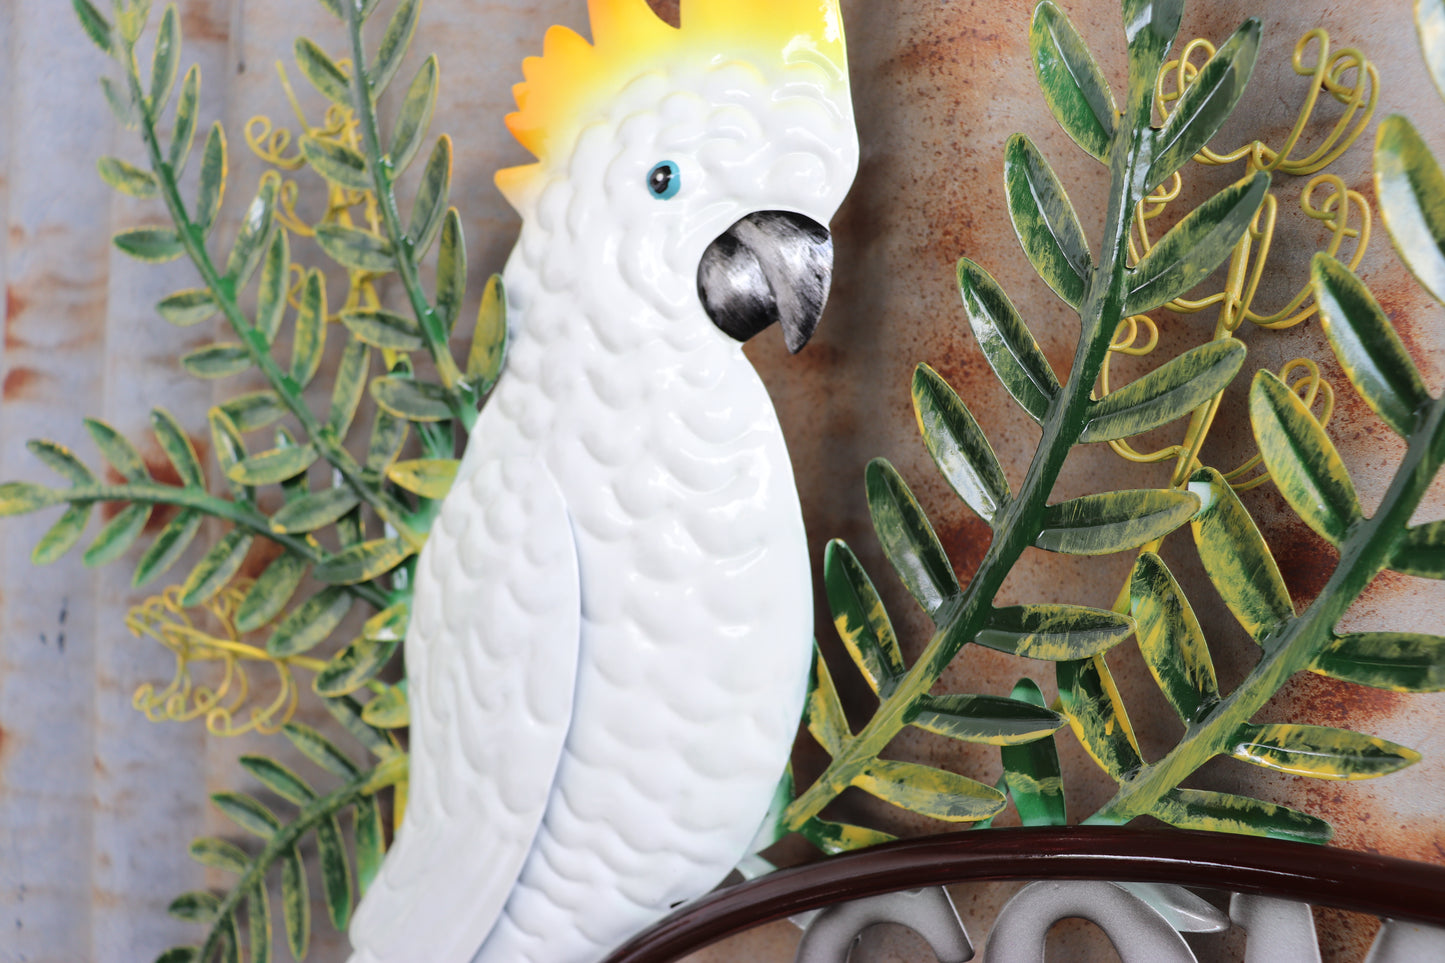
point(127, 178)
point(117, 536)
point(255, 231)
point(1430, 25)
point(183, 132)
point(122, 105)
point(247, 813)
point(153, 244)
point(1204, 106)
point(363, 562)
point(388, 710)
point(185, 308)
point(393, 48)
point(415, 116)
point(1194, 247)
point(384, 329)
point(1422, 551)
point(1237, 559)
point(1045, 222)
point(993, 720)
point(1114, 521)
point(61, 460)
point(310, 623)
point(198, 906)
point(295, 903)
point(833, 838)
point(431, 197)
point(61, 537)
point(1074, 87)
point(370, 841)
point(179, 954)
point(451, 270)
point(213, 180)
point(310, 337)
point(1367, 346)
point(1400, 661)
point(958, 445)
point(1170, 639)
point(96, 27)
point(1301, 458)
point(334, 6)
point(119, 452)
point(275, 280)
point(1226, 813)
point(1150, 27)
point(428, 477)
point(258, 923)
point(165, 59)
point(908, 539)
point(320, 750)
point(860, 618)
point(314, 511)
point(168, 546)
point(220, 360)
point(131, 17)
point(324, 74)
point(254, 410)
point(337, 163)
point(489, 337)
point(218, 854)
point(22, 498)
point(275, 465)
point(270, 593)
point(215, 570)
point(412, 400)
point(928, 791)
point(335, 872)
point(277, 778)
point(388, 434)
point(1170, 391)
point(1054, 632)
point(347, 711)
point(823, 714)
point(1006, 342)
point(229, 448)
point(356, 249)
point(1031, 771)
point(1320, 751)
point(1096, 714)
point(1411, 190)
point(359, 662)
point(349, 383)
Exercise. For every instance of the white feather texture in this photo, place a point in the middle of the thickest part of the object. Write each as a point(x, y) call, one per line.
point(615, 752)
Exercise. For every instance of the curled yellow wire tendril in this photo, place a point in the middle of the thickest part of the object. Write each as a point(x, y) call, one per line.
point(216, 648)
point(1311, 387)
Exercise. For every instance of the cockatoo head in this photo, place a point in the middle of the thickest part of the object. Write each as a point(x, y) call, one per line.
point(689, 164)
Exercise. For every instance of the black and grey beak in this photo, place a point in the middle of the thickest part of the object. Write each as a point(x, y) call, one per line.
point(769, 266)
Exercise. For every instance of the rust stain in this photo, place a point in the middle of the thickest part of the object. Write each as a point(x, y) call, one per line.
point(1323, 701)
point(15, 303)
point(197, 24)
point(1305, 560)
point(159, 466)
point(965, 538)
point(22, 382)
point(263, 552)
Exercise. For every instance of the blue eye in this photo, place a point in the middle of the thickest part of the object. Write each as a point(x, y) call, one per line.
point(664, 180)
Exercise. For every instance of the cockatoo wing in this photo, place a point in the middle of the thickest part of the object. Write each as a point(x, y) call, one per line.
point(492, 660)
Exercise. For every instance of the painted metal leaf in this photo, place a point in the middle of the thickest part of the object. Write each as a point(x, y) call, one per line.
point(277, 778)
point(1031, 771)
point(451, 270)
point(1114, 521)
point(1150, 27)
point(823, 714)
point(412, 400)
point(363, 562)
point(1320, 751)
point(96, 27)
point(1430, 25)
point(183, 131)
point(388, 434)
point(428, 477)
point(1236, 557)
point(230, 939)
point(220, 360)
point(214, 570)
point(230, 448)
point(61, 537)
point(212, 189)
point(381, 328)
point(356, 249)
point(168, 546)
point(218, 854)
point(258, 923)
point(860, 618)
point(347, 711)
point(337, 163)
point(273, 289)
point(348, 386)
point(311, 622)
point(165, 59)
point(1010, 349)
point(320, 750)
point(295, 903)
point(309, 339)
point(21, 498)
point(1045, 222)
point(313, 511)
point(993, 720)
point(833, 837)
point(254, 410)
point(369, 839)
point(1054, 632)
point(153, 244)
point(1205, 105)
point(489, 337)
point(1170, 639)
point(431, 197)
point(255, 233)
point(415, 115)
point(271, 591)
point(1170, 391)
point(929, 792)
point(908, 539)
point(958, 445)
point(1367, 346)
point(394, 43)
point(179, 954)
point(1228, 813)
point(1194, 247)
point(117, 536)
point(1074, 87)
point(1301, 458)
point(359, 662)
point(247, 813)
point(389, 710)
point(1097, 716)
point(1422, 551)
point(61, 460)
point(1411, 190)
point(336, 884)
point(188, 307)
point(127, 178)
point(323, 72)
point(1400, 661)
point(198, 906)
point(276, 465)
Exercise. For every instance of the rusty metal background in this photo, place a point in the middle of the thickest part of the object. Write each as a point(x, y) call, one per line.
point(96, 804)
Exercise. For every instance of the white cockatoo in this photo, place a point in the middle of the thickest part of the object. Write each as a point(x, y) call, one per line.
point(612, 619)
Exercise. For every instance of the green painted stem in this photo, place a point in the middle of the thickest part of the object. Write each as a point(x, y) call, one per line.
point(1366, 552)
point(460, 398)
point(1020, 523)
point(390, 511)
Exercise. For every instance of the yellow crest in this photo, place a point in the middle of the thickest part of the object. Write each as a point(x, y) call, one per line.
point(572, 74)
